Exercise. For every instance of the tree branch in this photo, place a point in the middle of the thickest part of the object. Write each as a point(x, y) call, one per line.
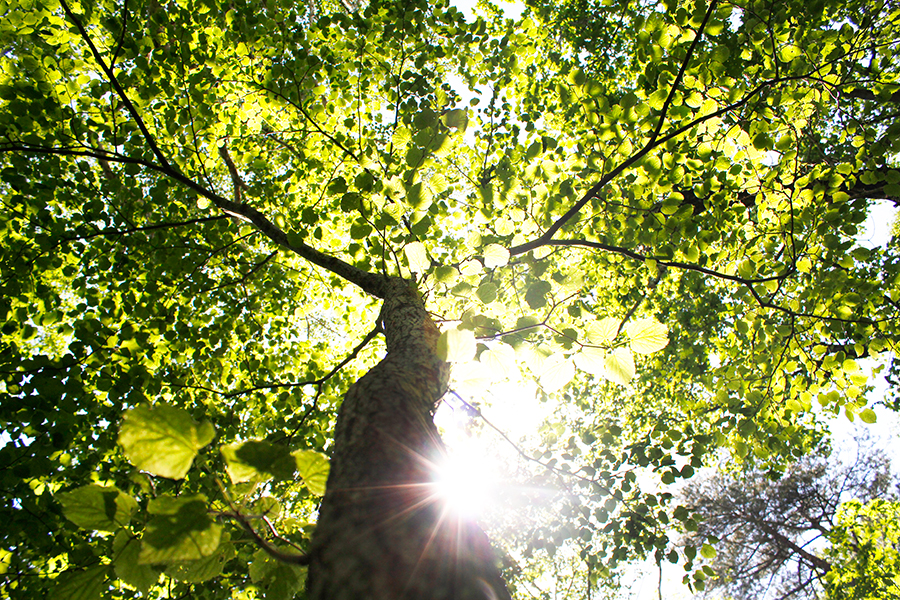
point(668, 263)
point(680, 76)
point(267, 547)
point(545, 238)
point(111, 77)
point(370, 283)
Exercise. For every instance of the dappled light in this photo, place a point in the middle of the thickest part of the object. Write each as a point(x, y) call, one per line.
point(380, 299)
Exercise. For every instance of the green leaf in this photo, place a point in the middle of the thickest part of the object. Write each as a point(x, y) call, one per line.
point(98, 507)
point(708, 552)
point(351, 201)
point(620, 366)
point(762, 141)
point(592, 360)
point(867, 415)
point(338, 186)
point(556, 372)
point(419, 197)
point(457, 119)
point(196, 571)
point(495, 255)
point(414, 157)
point(417, 257)
point(359, 231)
point(163, 440)
point(456, 345)
point(364, 181)
point(487, 292)
point(276, 580)
point(77, 584)
point(245, 461)
point(126, 552)
point(445, 274)
point(180, 530)
point(603, 331)
point(647, 335)
point(536, 295)
point(313, 467)
point(500, 360)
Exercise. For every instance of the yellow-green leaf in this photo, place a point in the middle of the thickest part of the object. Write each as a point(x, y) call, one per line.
point(495, 255)
point(591, 360)
point(456, 345)
point(417, 257)
point(181, 529)
point(647, 335)
point(313, 467)
point(163, 440)
point(604, 330)
point(557, 371)
point(620, 366)
point(868, 416)
point(500, 361)
point(97, 507)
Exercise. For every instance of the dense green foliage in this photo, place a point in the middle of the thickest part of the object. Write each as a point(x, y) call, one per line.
point(865, 551)
point(656, 221)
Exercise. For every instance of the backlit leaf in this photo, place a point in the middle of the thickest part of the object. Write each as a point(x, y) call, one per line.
point(313, 468)
point(556, 372)
point(126, 550)
point(707, 551)
point(495, 255)
point(181, 529)
point(604, 330)
point(500, 360)
point(417, 257)
point(591, 360)
point(163, 440)
point(456, 345)
point(620, 366)
point(647, 335)
point(867, 415)
point(98, 507)
point(471, 377)
point(246, 460)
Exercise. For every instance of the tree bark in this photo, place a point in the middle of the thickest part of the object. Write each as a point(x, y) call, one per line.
point(382, 534)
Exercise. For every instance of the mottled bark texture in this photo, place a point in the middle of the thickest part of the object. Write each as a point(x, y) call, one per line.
point(382, 534)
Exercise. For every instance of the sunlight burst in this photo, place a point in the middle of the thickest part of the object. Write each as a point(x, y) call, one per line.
point(466, 483)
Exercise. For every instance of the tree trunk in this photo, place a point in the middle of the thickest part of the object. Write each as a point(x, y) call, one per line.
point(382, 534)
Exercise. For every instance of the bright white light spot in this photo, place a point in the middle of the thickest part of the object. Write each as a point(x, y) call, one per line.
point(465, 483)
point(876, 230)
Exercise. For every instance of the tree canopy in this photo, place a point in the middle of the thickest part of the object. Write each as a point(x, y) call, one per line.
point(651, 210)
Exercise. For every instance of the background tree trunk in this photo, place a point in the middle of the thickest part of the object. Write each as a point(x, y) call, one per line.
point(382, 534)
